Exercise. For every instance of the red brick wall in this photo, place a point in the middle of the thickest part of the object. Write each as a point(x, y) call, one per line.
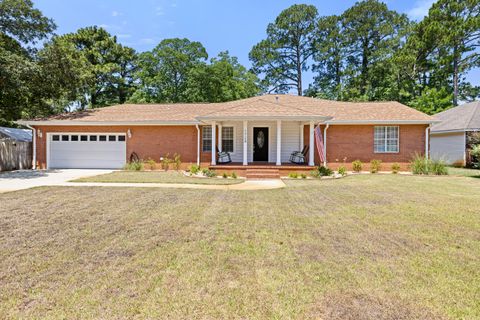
point(355, 142)
point(147, 141)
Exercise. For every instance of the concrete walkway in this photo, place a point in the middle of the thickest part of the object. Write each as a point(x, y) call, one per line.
point(25, 179)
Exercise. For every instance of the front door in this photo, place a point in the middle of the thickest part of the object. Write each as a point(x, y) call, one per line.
point(260, 144)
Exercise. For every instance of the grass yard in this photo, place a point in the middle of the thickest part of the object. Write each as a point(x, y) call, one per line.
point(362, 247)
point(155, 177)
point(464, 172)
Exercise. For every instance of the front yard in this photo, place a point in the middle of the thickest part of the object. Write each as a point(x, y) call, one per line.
point(362, 247)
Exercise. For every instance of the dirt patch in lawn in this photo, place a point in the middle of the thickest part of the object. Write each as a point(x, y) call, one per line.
point(358, 306)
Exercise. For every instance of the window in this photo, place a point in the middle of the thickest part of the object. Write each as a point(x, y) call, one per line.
point(206, 138)
point(227, 139)
point(121, 138)
point(74, 138)
point(65, 138)
point(56, 137)
point(83, 138)
point(386, 139)
point(93, 138)
point(112, 138)
point(102, 138)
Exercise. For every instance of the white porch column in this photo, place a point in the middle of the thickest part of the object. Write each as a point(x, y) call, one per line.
point(301, 138)
point(312, 145)
point(214, 143)
point(220, 137)
point(279, 142)
point(245, 143)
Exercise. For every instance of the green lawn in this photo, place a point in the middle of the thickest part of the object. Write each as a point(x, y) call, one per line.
point(155, 177)
point(464, 172)
point(362, 247)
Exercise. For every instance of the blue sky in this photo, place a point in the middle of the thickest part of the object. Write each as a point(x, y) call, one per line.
point(233, 25)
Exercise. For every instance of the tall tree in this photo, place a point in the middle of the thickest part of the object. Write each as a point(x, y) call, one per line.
point(224, 79)
point(457, 26)
point(372, 34)
point(163, 72)
point(284, 55)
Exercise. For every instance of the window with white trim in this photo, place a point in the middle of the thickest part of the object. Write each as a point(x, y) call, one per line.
point(227, 139)
point(386, 139)
point(206, 138)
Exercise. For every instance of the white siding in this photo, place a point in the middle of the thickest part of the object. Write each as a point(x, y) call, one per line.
point(449, 147)
point(290, 139)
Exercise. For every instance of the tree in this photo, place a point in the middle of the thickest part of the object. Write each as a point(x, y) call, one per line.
point(20, 24)
point(224, 79)
point(284, 55)
point(163, 72)
point(456, 24)
point(372, 34)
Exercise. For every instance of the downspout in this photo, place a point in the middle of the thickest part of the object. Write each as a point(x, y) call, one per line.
point(427, 142)
point(198, 145)
point(325, 144)
point(34, 145)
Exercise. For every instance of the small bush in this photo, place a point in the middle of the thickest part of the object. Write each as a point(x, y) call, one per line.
point(293, 175)
point(475, 154)
point(166, 162)
point(134, 166)
point(209, 173)
point(357, 165)
point(194, 169)
point(315, 174)
point(224, 175)
point(234, 175)
point(438, 168)
point(177, 162)
point(395, 168)
point(303, 175)
point(342, 171)
point(151, 163)
point(324, 171)
point(375, 166)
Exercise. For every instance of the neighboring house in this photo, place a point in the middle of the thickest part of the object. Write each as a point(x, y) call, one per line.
point(259, 130)
point(15, 149)
point(449, 138)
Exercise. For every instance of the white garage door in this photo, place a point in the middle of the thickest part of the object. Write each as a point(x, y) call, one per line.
point(87, 150)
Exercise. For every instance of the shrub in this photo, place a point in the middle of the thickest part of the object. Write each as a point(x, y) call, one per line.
point(315, 174)
point(395, 168)
point(357, 165)
point(324, 171)
point(342, 171)
point(166, 162)
point(224, 175)
point(151, 163)
point(177, 162)
point(293, 175)
point(134, 166)
point(421, 165)
point(475, 153)
point(375, 165)
point(303, 175)
point(194, 169)
point(209, 173)
point(234, 175)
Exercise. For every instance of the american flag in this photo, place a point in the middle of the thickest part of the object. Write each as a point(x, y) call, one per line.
point(319, 143)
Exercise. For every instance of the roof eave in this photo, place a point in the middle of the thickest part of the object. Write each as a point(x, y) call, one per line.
point(392, 121)
point(269, 117)
point(104, 123)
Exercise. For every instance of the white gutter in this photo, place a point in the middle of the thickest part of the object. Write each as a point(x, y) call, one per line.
point(34, 144)
point(358, 122)
point(325, 144)
point(105, 123)
point(198, 145)
point(427, 142)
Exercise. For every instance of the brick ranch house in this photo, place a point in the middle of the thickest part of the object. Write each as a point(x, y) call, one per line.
point(107, 137)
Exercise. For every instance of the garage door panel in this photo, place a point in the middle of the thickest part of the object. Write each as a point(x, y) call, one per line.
point(87, 154)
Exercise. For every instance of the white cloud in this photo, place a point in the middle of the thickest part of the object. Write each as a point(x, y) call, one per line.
point(420, 9)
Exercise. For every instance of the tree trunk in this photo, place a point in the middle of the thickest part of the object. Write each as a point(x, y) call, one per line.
point(299, 72)
point(364, 75)
point(455, 76)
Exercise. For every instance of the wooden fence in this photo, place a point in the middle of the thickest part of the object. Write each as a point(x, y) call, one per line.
point(15, 155)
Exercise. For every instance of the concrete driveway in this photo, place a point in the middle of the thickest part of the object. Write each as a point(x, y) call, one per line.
point(25, 179)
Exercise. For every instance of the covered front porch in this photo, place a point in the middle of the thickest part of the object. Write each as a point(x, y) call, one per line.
point(262, 144)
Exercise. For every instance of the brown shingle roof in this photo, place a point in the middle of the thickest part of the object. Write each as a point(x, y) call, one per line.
point(267, 106)
point(462, 118)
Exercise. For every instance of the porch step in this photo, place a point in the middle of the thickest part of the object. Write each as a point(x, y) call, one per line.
point(262, 173)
